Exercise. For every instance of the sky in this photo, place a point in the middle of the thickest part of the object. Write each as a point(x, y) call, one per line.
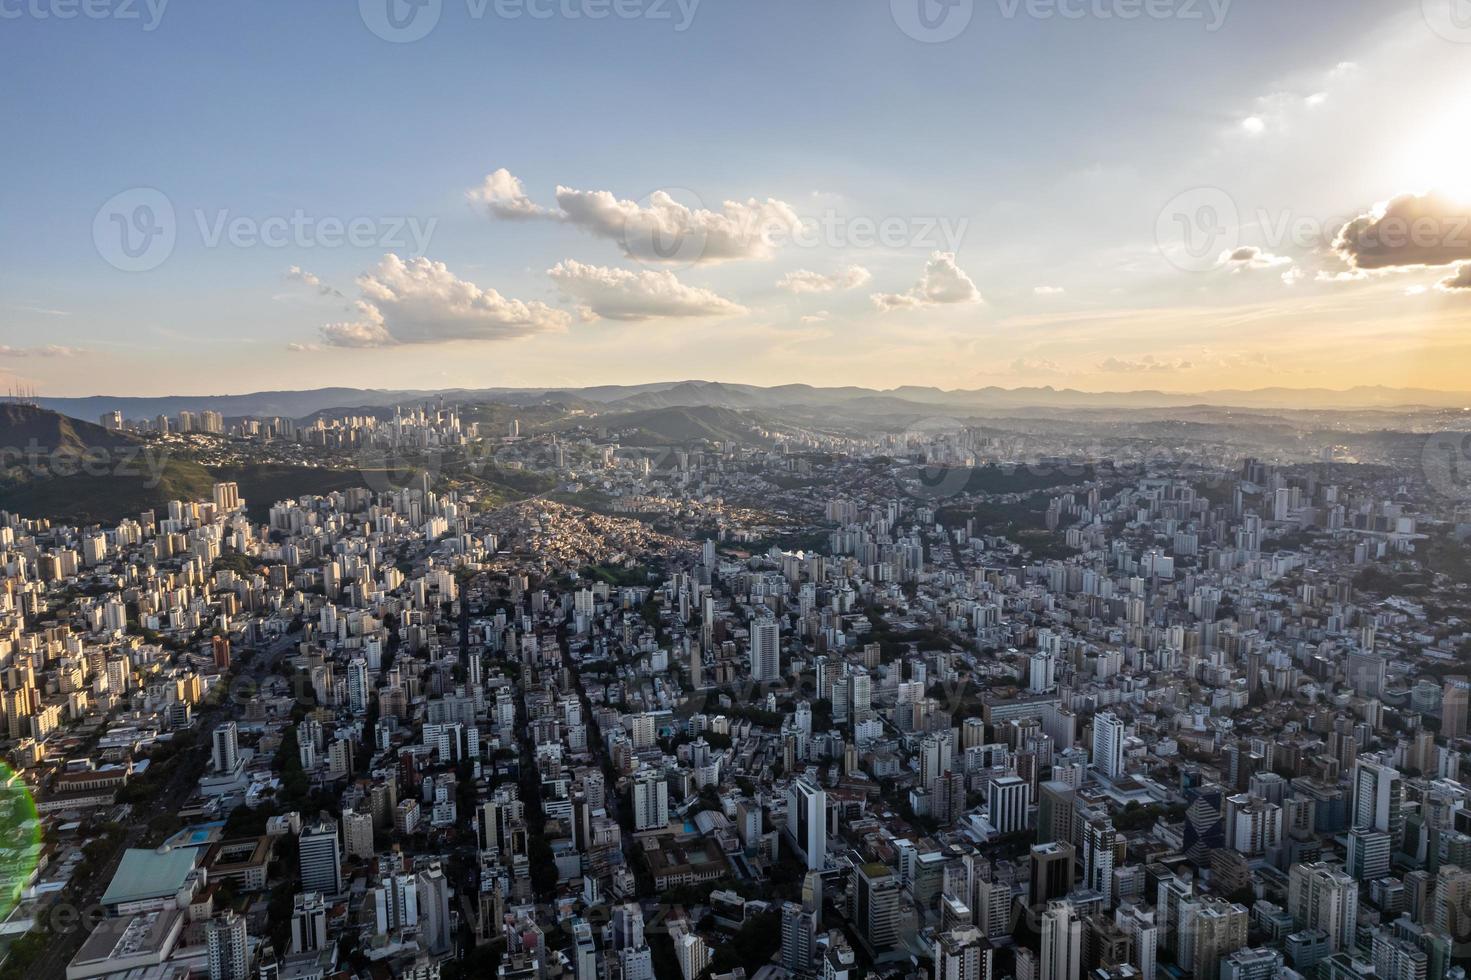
point(1180, 195)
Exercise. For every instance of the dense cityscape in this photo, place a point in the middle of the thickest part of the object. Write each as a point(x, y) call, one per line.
point(891, 703)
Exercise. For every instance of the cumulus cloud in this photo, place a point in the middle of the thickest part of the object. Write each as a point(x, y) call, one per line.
point(1031, 365)
point(49, 350)
point(663, 230)
point(1249, 257)
point(297, 274)
point(1460, 279)
point(618, 294)
point(1148, 364)
point(943, 282)
point(806, 281)
point(504, 196)
point(421, 302)
point(1409, 230)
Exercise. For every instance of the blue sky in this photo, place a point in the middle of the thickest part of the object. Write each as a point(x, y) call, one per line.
point(1055, 143)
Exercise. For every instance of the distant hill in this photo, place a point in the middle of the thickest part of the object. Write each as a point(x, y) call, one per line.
point(58, 467)
point(65, 469)
point(862, 402)
point(679, 426)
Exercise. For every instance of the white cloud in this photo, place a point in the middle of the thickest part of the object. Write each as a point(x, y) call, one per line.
point(1459, 280)
point(943, 282)
point(504, 196)
point(806, 281)
point(663, 230)
point(1048, 291)
point(297, 274)
point(1251, 258)
point(48, 350)
point(422, 302)
point(821, 316)
point(1148, 364)
point(618, 294)
point(1031, 365)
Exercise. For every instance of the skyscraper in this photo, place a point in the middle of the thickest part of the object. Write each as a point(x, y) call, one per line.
point(320, 857)
point(1378, 800)
point(1322, 897)
point(876, 906)
point(765, 650)
point(228, 945)
point(1108, 744)
point(1062, 942)
point(225, 755)
point(807, 822)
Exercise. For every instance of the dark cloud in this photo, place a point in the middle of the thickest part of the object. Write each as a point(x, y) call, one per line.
point(1411, 230)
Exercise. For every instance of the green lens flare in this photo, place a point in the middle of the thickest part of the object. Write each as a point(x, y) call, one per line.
point(20, 838)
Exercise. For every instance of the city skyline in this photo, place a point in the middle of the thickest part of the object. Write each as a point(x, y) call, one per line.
point(1069, 195)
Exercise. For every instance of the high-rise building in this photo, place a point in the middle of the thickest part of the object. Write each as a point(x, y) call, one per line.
point(357, 834)
point(1056, 803)
point(1210, 928)
point(309, 923)
point(320, 858)
point(650, 801)
point(798, 939)
point(1322, 897)
point(1139, 924)
point(358, 691)
point(1100, 840)
point(229, 947)
point(765, 650)
point(807, 822)
point(1062, 942)
point(1378, 800)
point(1368, 854)
point(1007, 799)
point(1108, 744)
point(876, 906)
point(963, 954)
point(225, 756)
point(1052, 873)
point(435, 935)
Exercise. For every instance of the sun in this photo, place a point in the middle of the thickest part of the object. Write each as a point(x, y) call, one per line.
point(1439, 157)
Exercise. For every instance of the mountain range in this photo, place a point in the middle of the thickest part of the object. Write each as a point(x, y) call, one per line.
point(690, 394)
